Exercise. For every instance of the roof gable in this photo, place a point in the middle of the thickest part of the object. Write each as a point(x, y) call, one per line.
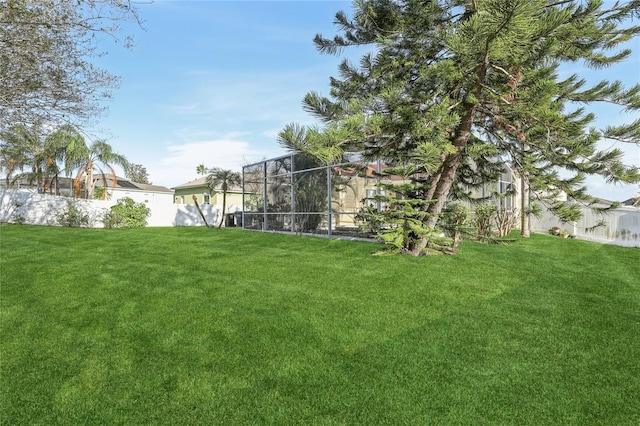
point(201, 182)
point(122, 183)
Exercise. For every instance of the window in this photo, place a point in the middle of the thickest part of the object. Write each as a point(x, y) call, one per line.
point(371, 193)
point(505, 189)
point(207, 199)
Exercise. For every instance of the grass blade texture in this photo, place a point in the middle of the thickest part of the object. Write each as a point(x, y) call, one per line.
point(188, 326)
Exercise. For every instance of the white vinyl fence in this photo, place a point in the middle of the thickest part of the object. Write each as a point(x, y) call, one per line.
point(620, 226)
point(24, 206)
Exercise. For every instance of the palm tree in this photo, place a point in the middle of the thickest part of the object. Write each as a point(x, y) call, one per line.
point(96, 158)
point(46, 157)
point(14, 151)
point(201, 169)
point(222, 179)
point(68, 146)
point(22, 147)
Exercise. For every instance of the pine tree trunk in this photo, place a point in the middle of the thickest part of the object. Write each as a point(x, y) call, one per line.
point(434, 185)
point(450, 167)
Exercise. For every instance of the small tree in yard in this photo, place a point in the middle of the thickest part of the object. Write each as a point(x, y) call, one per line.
point(223, 180)
point(483, 220)
point(127, 214)
point(475, 84)
point(403, 214)
point(456, 223)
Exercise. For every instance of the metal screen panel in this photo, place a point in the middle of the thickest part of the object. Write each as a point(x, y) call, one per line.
point(295, 193)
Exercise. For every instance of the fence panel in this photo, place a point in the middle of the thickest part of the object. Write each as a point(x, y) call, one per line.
point(24, 206)
point(620, 226)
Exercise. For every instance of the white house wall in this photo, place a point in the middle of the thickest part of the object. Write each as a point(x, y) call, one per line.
point(146, 197)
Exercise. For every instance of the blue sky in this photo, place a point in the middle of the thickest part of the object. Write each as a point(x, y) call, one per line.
point(212, 82)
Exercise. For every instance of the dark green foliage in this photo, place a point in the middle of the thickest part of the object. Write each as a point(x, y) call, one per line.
point(456, 222)
point(310, 194)
point(568, 211)
point(401, 219)
point(369, 220)
point(461, 88)
point(37, 155)
point(484, 216)
point(298, 188)
point(127, 214)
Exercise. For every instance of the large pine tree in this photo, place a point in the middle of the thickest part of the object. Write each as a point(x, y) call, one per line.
point(457, 87)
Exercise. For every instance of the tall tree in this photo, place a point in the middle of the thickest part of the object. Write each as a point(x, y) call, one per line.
point(45, 51)
point(14, 151)
point(24, 147)
point(36, 155)
point(201, 169)
point(458, 87)
point(222, 180)
point(69, 145)
point(137, 173)
point(98, 158)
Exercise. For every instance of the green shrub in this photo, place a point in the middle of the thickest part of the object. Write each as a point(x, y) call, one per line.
point(127, 214)
point(100, 193)
point(483, 220)
point(369, 220)
point(72, 216)
point(455, 222)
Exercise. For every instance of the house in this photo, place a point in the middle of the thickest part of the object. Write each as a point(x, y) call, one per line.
point(183, 194)
point(294, 194)
point(61, 185)
point(117, 188)
point(138, 192)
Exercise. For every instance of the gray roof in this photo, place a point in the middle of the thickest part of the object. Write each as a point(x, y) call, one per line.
point(633, 201)
point(128, 184)
point(202, 181)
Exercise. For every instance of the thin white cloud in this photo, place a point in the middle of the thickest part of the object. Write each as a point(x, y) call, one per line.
point(245, 96)
point(179, 163)
point(271, 133)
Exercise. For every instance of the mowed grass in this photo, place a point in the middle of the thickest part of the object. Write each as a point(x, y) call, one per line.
point(195, 326)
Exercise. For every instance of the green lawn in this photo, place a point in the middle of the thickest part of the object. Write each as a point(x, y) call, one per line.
point(188, 326)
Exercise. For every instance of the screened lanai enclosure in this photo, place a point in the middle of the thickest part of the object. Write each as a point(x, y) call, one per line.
point(295, 193)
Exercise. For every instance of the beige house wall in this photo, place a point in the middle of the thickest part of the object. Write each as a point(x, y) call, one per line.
point(185, 196)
